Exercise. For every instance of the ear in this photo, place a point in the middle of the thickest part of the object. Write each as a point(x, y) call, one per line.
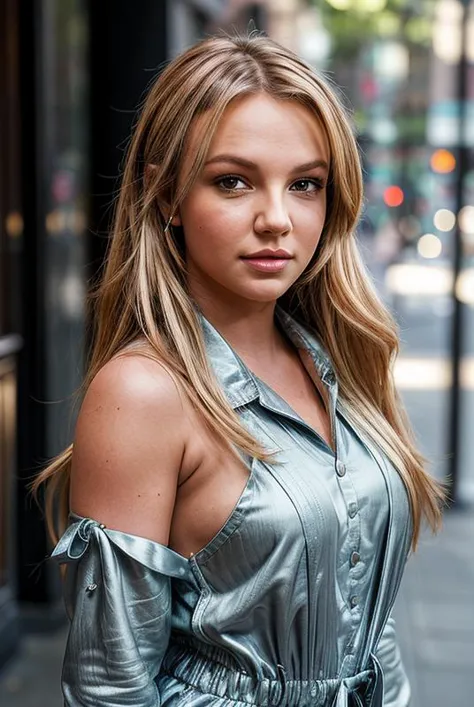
point(163, 202)
point(166, 211)
point(176, 220)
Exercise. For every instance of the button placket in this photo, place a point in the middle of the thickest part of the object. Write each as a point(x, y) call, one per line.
point(355, 559)
point(355, 571)
point(354, 601)
point(352, 509)
point(352, 544)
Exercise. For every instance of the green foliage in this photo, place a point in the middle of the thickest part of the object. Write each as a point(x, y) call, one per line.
point(351, 29)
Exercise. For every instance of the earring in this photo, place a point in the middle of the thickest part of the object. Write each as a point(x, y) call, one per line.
point(168, 223)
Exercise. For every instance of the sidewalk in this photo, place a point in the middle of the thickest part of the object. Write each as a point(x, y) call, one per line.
point(434, 613)
point(32, 679)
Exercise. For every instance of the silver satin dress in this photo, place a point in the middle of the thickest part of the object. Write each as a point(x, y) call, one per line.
point(288, 605)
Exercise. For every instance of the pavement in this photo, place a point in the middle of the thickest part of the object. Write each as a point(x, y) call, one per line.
point(32, 679)
point(435, 616)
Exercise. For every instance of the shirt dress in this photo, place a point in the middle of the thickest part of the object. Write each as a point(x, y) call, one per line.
point(288, 605)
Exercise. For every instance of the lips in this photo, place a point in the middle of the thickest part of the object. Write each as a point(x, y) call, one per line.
point(267, 253)
point(268, 261)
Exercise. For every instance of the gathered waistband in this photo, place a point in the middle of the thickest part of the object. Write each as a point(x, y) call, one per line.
point(213, 672)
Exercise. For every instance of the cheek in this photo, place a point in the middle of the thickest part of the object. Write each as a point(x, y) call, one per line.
point(197, 211)
point(311, 222)
point(212, 223)
point(207, 235)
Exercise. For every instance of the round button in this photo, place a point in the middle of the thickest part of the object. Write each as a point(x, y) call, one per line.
point(352, 510)
point(329, 377)
point(355, 601)
point(355, 558)
point(340, 468)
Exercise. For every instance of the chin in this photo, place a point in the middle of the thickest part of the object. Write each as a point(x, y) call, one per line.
point(266, 294)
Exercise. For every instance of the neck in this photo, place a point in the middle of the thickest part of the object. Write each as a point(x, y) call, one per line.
point(250, 330)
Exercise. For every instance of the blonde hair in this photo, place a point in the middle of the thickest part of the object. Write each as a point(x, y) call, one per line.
point(143, 292)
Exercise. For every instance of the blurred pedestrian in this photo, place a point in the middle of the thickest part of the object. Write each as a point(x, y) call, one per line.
point(243, 489)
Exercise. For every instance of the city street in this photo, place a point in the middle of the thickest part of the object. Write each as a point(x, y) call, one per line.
point(95, 132)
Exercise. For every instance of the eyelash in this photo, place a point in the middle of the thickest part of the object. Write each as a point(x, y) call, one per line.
point(318, 183)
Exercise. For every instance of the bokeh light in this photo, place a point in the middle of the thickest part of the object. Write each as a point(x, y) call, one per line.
point(393, 196)
point(465, 286)
point(14, 224)
point(340, 4)
point(370, 5)
point(444, 220)
point(388, 24)
point(429, 246)
point(443, 161)
point(360, 5)
point(419, 29)
point(418, 279)
point(393, 60)
point(466, 219)
point(447, 31)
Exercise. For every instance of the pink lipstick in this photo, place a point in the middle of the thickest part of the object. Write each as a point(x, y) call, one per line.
point(268, 260)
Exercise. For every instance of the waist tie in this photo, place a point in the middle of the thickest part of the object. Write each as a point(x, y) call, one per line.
point(373, 696)
point(212, 671)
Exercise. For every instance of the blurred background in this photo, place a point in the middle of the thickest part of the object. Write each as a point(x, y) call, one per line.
point(72, 74)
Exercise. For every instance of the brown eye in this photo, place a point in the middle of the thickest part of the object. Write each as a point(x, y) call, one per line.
point(307, 185)
point(230, 183)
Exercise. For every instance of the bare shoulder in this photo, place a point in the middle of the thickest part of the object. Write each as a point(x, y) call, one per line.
point(133, 379)
point(129, 443)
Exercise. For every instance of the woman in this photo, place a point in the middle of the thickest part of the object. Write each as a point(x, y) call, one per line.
point(243, 489)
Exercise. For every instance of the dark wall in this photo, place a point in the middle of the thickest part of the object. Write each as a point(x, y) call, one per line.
point(31, 433)
point(53, 97)
point(127, 49)
point(11, 242)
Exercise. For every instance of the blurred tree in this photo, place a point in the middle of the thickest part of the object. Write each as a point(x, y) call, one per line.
point(351, 23)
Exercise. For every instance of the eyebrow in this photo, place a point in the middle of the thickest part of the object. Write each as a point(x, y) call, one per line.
point(251, 165)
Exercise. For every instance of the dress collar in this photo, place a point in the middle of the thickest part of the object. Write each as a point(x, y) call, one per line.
point(237, 381)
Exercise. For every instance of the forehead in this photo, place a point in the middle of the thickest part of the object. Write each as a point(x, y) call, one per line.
point(259, 126)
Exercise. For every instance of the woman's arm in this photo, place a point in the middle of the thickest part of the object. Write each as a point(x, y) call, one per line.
point(130, 440)
point(118, 597)
point(129, 444)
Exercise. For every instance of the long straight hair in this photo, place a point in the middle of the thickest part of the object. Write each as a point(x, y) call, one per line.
point(143, 293)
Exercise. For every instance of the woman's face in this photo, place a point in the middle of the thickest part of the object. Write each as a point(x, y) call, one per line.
point(254, 216)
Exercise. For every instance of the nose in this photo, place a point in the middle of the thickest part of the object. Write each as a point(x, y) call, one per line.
point(272, 217)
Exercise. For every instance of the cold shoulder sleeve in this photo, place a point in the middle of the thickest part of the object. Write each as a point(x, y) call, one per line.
point(396, 685)
point(117, 592)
